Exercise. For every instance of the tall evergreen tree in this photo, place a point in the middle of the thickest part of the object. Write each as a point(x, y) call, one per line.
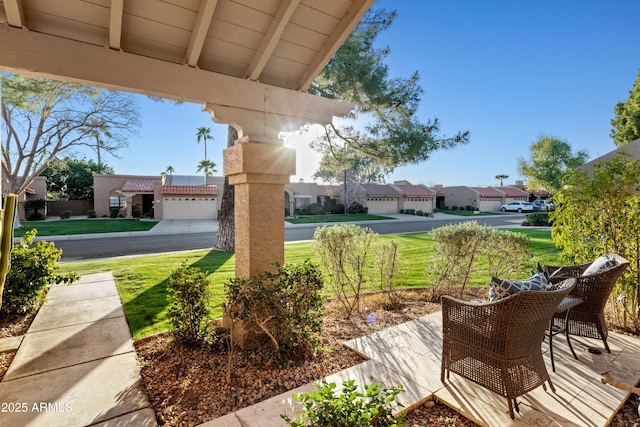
point(394, 134)
point(626, 124)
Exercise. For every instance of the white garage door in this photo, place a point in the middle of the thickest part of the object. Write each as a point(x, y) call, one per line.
point(382, 206)
point(192, 207)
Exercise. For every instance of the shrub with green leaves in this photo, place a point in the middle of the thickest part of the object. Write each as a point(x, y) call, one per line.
point(599, 213)
point(188, 311)
point(33, 269)
point(92, 214)
point(65, 214)
point(344, 252)
point(349, 408)
point(538, 219)
point(460, 247)
point(387, 265)
point(286, 305)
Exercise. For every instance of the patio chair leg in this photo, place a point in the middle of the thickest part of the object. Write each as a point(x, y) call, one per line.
point(513, 416)
point(553, 364)
point(606, 346)
point(566, 332)
point(553, 389)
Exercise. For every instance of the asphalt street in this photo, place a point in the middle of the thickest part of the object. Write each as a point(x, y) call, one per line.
point(107, 246)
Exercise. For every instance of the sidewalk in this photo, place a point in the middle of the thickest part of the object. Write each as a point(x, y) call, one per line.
point(77, 366)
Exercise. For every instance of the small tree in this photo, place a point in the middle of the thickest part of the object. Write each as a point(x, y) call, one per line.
point(551, 158)
point(206, 166)
point(387, 264)
point(501, 178)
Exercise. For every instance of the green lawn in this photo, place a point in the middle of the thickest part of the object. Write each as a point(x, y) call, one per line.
point(141, 280)
point(313, 219)
point(468, 213)
point(83, 226)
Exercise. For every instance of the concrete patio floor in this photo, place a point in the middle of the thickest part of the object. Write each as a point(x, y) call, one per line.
point(409, 354)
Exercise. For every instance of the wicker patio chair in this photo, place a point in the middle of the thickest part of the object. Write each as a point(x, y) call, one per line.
point(587, 319)
point(498, 345)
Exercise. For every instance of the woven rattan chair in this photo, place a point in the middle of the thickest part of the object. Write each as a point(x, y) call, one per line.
point(498, 345)
point(587, 319)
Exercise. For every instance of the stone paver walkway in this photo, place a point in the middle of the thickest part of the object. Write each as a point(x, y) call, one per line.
point(77, 366)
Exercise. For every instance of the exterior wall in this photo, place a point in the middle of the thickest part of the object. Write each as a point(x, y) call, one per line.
point(39, 185)
point(425, 204)
point(104, 186)
point(77, 207)
point(516, 199)
point(460, 196)
point(306, 191)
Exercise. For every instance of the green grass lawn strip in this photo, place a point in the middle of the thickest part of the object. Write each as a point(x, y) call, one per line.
point(84, 226)
point(317, 219)
point(142, 280)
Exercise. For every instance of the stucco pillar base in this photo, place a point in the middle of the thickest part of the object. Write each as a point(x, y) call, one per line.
point(258, 171)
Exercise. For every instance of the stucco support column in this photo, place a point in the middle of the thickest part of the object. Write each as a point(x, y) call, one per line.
point(259, 172)
point(129, 203)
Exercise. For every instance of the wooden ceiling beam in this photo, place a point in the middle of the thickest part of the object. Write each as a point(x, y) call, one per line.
point(15, 13)
point(200, 30)
point(335, 40)
point(271, 38)
point(41, 55)
point(115, 23)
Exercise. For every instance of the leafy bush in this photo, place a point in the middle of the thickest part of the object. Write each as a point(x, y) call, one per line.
point(33, 268)
point(286, 306)
point(410, 211)
point(313, 209)
point(454, 208)
point(32, 208)
point(113, 212)
point(598, 213)
point(338, 209)
point(136, 210)
point(65, 214)
point(324, 407)
point(92, 214)
point(538, 219)
point(286, 212)
point(387, 264)
point(188, 295)
point(355, 208)
point(344, 252)
point(419, 212)
point(459, 247)
point(469, 208)
point(401, 211)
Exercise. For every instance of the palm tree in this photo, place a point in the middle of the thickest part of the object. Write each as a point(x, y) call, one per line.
point(170, 170)
point(204, 134)
point(206, 166)
point(502, 177)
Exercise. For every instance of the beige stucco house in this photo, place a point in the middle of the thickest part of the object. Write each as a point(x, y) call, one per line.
point(169, 197)
point(36, 190)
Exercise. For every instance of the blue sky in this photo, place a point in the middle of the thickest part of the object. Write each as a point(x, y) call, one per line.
point(505, 71)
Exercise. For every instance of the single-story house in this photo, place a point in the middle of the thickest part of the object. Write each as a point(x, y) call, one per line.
point(484, 199)
point(382, 198)
point(36, 190)
point(168, 197)
point(514, 194)
point(418, 197)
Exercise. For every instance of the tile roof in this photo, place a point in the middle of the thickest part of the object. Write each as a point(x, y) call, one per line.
point(488, 192)
point(514, 192)
point(381, 190)
point(411, 190)
point(139, 184)
point(195, 190)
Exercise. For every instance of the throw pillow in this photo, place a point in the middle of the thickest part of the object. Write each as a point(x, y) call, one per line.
point(500, 288)
point(601, 264)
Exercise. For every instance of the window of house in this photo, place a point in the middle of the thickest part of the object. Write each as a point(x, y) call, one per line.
point(117, 201)
point(302, 202)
